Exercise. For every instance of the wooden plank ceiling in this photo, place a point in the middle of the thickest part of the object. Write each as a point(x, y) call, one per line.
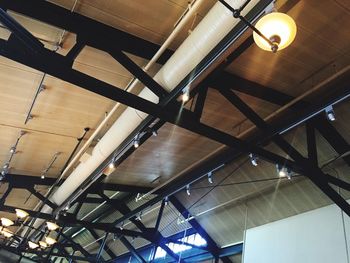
point(62, 111)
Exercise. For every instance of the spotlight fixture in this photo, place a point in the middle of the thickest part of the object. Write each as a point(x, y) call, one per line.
point(185, 95)
point(111, 165)
point(137, 141)
point(21, 214)
point(188, 191)
point(13, 150)
point(42, 176)
point(277, 27)
point(6, 166)
point(121, 227)
point(284, 171)
point(139, 217)
point(166, 201)
point(330, 113)
point(3, 172)
point(51, 226)
point(210, 177)
point(32, 245)
point(6, 222)
point(253, 159)
point(42, 244)
point(50, 241)
point(154, 133)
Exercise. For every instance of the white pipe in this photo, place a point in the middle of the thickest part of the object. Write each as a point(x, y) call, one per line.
point(184, 19)
point(191, 10)
point(209, 32)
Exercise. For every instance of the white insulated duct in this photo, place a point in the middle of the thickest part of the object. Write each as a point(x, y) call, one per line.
point(209, 32)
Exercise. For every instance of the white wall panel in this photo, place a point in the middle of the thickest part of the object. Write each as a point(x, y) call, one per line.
point(312, 237)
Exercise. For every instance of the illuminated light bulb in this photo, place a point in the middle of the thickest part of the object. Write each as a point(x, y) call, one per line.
point(42, 244)
point(52, 226)
point(50, 241)
point(111, 165)
point(21, 213)
point(32, 245)
point(13, 149)
point(6, 222)
point(186, 95)
point(7, 233)
point(279, 28)
point(42, 176)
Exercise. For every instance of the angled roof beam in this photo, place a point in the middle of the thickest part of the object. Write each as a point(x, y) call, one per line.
point(310, 170)
point(227, 80)
point(211, 244)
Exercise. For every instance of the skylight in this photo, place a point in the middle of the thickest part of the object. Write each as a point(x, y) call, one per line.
point(194, 239)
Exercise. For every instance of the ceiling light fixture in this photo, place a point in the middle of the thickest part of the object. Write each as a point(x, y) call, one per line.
point(185, 95)
point(277, 27)
point(283, 171)
point(13, 150)
point(210, 177)
point(330, 113)
point(137, 141)
point(51, 226)
point(6, 222)
point(273, 32)
point(253, 159)
point(32, 245)
point(21, 213)
point(188, 190)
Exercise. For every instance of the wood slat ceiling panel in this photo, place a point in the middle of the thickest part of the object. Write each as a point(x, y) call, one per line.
point(153, 21)
point(319, 42)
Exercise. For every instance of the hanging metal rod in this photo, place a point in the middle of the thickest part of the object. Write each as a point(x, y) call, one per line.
point(53, 159)
point(39, 89)
point(237, 14)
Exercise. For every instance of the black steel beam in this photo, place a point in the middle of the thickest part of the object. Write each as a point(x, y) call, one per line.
point(311, 143)
point(227, 80)
point(141, 75)
point(334, 138)
point(132, 250)
point(212, 247)
point(42, 198)
point(93, 33)
point(160, 215)
point(102, 247)
point(200, 101)
point(106, 247)
point(5, 195)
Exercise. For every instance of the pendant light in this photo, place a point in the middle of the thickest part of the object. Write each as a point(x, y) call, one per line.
point(279, 28)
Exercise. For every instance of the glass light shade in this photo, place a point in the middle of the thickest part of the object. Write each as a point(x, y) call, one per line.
point(50, 241)
point(275, 26)
point(6, 222)
point(51, 226)
point(42, 244)
point(21, 213)
point(7, 233)
point(32, 245)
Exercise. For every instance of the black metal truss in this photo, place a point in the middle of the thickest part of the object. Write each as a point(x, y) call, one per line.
point(132, 250)
point(211, 245)
point(310, 169)
point(104, 246)
point(225, 80)
point(28, 182)
point(203, 129)
point(149, 234)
